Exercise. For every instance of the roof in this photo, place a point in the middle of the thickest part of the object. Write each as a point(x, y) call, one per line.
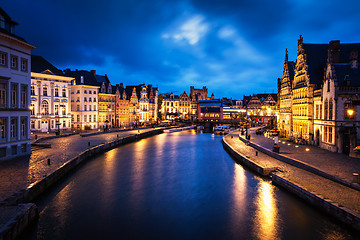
point(316, 58)
point(89, 78)
point(39, 65)
point(344, 72)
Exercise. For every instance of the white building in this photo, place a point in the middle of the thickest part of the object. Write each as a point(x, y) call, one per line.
point(15, 62)
point(50, 91)
point(84, 100)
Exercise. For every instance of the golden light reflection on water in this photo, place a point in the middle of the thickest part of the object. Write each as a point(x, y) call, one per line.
point(239, 192)
point(266, 215)
point(108, 176)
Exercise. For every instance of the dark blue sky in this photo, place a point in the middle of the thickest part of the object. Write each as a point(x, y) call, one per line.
point(232, 47)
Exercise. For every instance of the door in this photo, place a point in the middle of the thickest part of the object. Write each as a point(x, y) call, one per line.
point(346, 143)
point(44, 126)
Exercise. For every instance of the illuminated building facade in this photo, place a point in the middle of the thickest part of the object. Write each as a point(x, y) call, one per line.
point(122, 107)
point(107, 98)
point(184, 106)
point(262, 108)
point(50, 97)
point(15, 62)
point(170, 106)
point(285, 98)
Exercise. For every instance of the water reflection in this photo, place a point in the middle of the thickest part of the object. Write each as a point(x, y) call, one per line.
point(239, 192)
point(266, 216)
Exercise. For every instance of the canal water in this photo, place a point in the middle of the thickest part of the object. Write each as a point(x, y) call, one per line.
point(175, 186)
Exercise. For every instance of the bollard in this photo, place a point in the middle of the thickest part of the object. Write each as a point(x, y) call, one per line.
point(356, 178)
point(231, 136)
point(256, 153)
point(35, 136)
point(48, 161)
point(88, 143)
point(117, 135)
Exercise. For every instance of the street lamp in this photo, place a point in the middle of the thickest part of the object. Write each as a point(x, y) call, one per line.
point(350, 112)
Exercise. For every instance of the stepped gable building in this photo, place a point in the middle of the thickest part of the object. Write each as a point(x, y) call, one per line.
point(285, 97)
point(84, 100)
point(337, 111)
point(153, 95)
point(170, 106)
point(262, 107)
point(15, 80)
point(106, 103)
point(184, 106)
point(197, 95)
point(133, 97)
point(122, 106)
point(309, 72)
point(50, 97)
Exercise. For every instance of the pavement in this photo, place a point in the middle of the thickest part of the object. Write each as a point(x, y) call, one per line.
point(332, 163)
point(18, 174)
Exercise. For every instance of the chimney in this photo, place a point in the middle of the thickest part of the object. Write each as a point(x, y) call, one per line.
point(334, 51)
point(93, 72)
point(82, 80)
point(121, 85)
point(354, 63)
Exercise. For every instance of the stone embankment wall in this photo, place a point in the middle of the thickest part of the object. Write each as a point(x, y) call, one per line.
point(339, 212)
point(299, 164)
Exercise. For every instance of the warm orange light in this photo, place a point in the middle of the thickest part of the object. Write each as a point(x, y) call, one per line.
point(350, 112)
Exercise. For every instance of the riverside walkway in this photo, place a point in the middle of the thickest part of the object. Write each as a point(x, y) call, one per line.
point(18, 174)
point(332, 163)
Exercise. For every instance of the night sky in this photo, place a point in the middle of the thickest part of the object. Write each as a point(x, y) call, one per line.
point(232, 47)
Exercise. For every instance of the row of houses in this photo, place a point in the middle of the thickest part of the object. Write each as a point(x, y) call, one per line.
point(83, 100)
point(36, 96)
point(319, 96)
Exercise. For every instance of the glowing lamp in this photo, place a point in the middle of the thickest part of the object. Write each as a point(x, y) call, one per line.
point(350, 112)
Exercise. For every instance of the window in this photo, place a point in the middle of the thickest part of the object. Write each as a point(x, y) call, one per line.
point(14, 62)
point(32, 89)
point(45, 91)
point(330, 135)
point(78, 118)
point(64, 92)
point(23, 147)
point(44, 107)
point(94, 107)
point(94, 118)
point(89, 118)
point(64, 123)
point(90, 92)
point(56, 109)
point(32, 109)
point(90, 99)
point(24, 97)
point(326, 105)
point(3, 59)
point(78, 99)
point(24, 65)
point(23, 128)
point(330, 109)
point(85, 107)
point(63, 108)
point(13, 128)
point(3, 129)
point(13, 95)
point(85, 118)
point(77, 107)
point(72, 117)
point(94, 99)
point(3, 95)
point(85, 99)
point(78, 92)
point(328, 85)
point(89, 107)
point(85, 92)
point(56, 92)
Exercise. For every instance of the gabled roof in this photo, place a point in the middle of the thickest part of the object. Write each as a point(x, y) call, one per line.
point(40, 65)
point(347, 76)
point(316, 58)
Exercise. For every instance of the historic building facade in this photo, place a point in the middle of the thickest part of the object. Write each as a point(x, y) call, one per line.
point(184, 106)
point(50, 97)
point(15, 79)
point(107, 102)
point(285, 98)
point(170, 106)
point(122, 107)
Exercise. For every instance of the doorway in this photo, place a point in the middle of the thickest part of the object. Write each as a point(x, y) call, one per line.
point(346, 143)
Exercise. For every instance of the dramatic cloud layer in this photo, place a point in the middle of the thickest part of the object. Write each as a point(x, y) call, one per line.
point(234, 47)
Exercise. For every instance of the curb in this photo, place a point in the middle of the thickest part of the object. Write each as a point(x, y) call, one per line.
point(341, 213)
point(300, 164)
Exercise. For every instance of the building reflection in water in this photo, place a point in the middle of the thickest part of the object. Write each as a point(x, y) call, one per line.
point(266, 214)
point(239, 192)
point(108, 178)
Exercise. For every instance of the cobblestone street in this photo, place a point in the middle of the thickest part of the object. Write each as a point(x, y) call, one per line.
point(19, 173)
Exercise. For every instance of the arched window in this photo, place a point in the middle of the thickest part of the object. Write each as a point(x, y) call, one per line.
point(326, 105)
point(44, 107)
point(330, 109)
